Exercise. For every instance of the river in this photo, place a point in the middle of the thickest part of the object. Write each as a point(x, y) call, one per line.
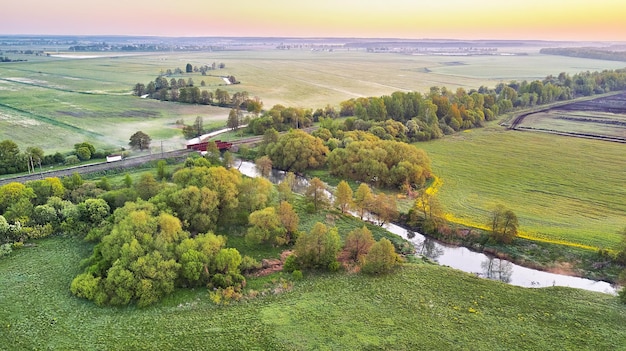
point(461, 258)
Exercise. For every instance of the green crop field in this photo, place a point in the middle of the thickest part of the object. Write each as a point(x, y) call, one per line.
point(419, 307)
point(562, 189)
point(54, 102)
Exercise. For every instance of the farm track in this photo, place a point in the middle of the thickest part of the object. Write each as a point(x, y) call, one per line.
point(610, 103)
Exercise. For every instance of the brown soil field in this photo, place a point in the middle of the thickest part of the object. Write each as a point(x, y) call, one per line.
point(601, 118)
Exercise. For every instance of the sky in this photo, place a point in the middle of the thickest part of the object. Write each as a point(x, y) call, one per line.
point(588, 20)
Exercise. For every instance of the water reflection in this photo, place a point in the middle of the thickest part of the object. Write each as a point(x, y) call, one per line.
point(497, 269)
point(428, 248)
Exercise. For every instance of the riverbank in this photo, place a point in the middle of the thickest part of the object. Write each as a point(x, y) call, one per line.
point(417, 307)
point(520, 268)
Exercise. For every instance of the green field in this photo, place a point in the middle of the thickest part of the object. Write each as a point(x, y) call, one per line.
point(419, 307)
point(561, 188)
point(54, 102)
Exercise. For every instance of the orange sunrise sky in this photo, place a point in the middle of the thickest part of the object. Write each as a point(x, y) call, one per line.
point(597, 20)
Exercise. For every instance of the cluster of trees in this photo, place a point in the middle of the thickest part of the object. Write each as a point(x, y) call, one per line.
point(359, 156)
point(281, 118)
point(591, 53)
point(187, 92)
point(146, 254)
point(12, 160)
point(384, 163)
point(319, 249)
point(413, 116)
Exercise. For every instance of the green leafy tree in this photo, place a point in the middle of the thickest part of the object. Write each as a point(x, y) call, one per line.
point(316, 194)
point(266, 227)
point(381, 258)
point(83, 153)
point(318, 249)
point(363, 198)
point(297, 151)
point(140, 140)
point(233, 119)
point(289, 220)
point(147, 186)
point(504, 225)
point(343, 196)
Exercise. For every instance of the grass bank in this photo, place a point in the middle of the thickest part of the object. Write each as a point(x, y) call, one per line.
point(419, 307)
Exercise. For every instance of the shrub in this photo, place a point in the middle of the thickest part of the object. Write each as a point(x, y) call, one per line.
point(297, 275)
point(5, 249)
point(71, 160)
point(291, 264)
point(249, 264)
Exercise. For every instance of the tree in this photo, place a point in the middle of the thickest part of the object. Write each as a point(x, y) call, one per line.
point(289, 219)
point(147, 186)
point(35, 156)
point(504, 225)
point(358, 243)
point(316, 194)
point(263, 165)
point(228, 160)
point(266, 227)
point(297, 151)
point(189, 68)
point(318, 249)
point(362, 199)
point(233, 119)
point(385, 208)
point(9, 157)
point(83, 153)
point(140, 140)
point(343, 196)
point(381, 259)
point(139, 89)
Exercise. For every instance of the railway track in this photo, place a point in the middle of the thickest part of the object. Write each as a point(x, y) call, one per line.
point(97, 167)
point(123, 164)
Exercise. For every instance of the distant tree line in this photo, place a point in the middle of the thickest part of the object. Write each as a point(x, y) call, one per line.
point(6, 59)
point(590, 53)
point(413, 116)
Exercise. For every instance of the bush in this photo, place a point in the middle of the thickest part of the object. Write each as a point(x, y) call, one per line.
point(334, 266)
point(291, 264)
point(39, 231)
point(71, 160)
point(5, 249)
point(297, 275)
point(249, 264)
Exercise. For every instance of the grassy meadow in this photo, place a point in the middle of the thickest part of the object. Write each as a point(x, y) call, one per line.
point(419, 307)
point(563, 189)
point(54, 102)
